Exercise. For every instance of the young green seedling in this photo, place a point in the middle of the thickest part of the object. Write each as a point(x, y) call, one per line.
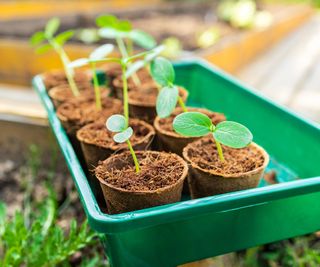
point(96, 56)
point(124, 35)
point(163, 73)
point(228, 133)
point(45, 40)
point(118, 124)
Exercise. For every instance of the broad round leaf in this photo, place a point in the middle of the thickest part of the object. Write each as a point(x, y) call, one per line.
point(143, 39)
point(78, 63)
point(106, 21)
point(135, 67)
point(167, 101)
point(43, 49)
point(88, 36)
point(116, 123)
point(192, 124)
point(123, 136)
point(162, 71)
point(37, 38)
point(64, 37)
point(101, 52)
point(232, 134)
point(52, 27)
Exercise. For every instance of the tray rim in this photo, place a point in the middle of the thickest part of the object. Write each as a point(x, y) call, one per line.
point(135, 220)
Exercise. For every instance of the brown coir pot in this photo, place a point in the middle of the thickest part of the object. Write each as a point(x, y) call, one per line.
point(54, 78)
point(97, 142)
point(142, 103)
point(242, 169)
point(63, 93)
point(159, 181)
point(171, 141)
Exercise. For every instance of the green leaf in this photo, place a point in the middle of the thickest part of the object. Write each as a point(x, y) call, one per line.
point(101, 52)
point(192, 124)
point(106, 21)
point(78, 63)
point(37, 38)
point(43, 49)
point(110, 33)
point(88, 36)
point(232, 134)
point(116, 123)
point(143, 39)
point(64, 37)
point(162, 71)
point(167, 101)
point(154, 53)
point(124, 26)
point(133, 68)
point(52, 27)
point(123, 136)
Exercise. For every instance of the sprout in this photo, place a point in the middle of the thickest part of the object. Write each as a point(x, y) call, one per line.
point(118, 124)
point(97, 55)
point(125, 36)
point(45, 40)
point(163, 73)
point(228, 133)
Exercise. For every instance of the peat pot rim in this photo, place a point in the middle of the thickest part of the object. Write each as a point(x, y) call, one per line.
point(158, 128)
point(234, 175)
point(149, 135)
point(159, 190)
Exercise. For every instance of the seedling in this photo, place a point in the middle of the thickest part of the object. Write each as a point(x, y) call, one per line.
point(228, 133)
point(118, 124)
point(124, 35)
point(96, 56)
point(163, 73)
point(45, 40)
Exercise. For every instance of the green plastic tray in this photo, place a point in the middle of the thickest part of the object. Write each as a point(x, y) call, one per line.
point(195, 229)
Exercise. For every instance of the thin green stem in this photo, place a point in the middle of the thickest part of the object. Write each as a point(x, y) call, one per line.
point(130, 46)
point(65, 61)
point(125, 94)
point(96, 86)
point(134, 156)
point(220, 152)
point(182, 105)
point(125, 55)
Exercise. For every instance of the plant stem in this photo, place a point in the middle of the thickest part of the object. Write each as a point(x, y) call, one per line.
point(219, 148)
point(124, 54)
point(182, 105)
point(134, 156)
point(125, 94)
point(65, 61)
point(96, 86)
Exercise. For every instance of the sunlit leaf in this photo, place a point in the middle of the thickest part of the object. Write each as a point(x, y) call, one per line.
point(78, 63)
point(123, 136)
point(37, 38)
point(162, 71)
point(52, 27)
point(143, 39)
point(116, 123)
point(101, 52)
point(64, 37)
point(167, 101)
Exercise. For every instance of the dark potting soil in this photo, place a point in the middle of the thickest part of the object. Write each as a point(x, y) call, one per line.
point(82, 112)
point(97, 134)
point(166, 123)
point(203, 153)
point(157, 171)
point(58, 77)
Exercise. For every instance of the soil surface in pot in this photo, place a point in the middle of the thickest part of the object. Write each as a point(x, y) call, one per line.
point(97, 134)
point(165, 124)
point(57, 77)
point(157, 171)
point(79, 112)
point(203, 153)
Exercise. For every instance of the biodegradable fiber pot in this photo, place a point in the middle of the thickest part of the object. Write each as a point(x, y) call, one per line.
point(57, 77)
point(171, 141)
point(159, 181)
point(242, 169)
point(97, 142)
point(142, 103)
point(63, 93)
